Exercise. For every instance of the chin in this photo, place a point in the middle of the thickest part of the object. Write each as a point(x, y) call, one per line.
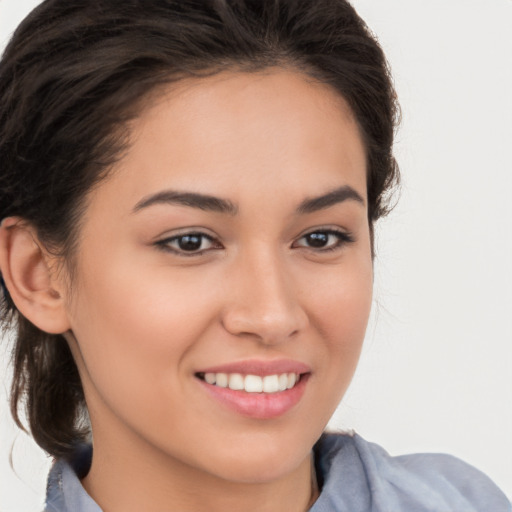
point(260, 464)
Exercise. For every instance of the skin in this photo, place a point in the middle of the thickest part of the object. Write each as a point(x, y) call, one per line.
point(143, 317)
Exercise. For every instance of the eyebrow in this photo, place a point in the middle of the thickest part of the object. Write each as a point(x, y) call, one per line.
point(325, 201)
point(192, 199)
point(219, 205)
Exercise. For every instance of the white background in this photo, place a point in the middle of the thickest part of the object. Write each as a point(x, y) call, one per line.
point(436, 373)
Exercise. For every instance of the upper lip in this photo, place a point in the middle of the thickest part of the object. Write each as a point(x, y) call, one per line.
point(260, 367)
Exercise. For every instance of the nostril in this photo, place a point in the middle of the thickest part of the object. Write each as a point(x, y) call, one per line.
point(267, 329)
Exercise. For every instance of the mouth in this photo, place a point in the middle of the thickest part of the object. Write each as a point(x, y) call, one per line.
point(267, 384)
point(256, 388)
point(261, 390)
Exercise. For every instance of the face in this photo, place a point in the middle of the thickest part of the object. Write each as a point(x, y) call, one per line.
point(227, 256)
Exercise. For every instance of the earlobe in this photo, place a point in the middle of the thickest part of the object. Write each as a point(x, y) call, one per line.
point(26, 271)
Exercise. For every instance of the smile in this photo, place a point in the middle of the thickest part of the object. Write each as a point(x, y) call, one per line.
point(252, 383)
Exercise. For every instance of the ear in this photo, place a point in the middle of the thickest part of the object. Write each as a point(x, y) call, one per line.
point(34, 286)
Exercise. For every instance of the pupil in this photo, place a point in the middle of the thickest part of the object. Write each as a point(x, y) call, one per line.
point(318, 239)
point(190, 242)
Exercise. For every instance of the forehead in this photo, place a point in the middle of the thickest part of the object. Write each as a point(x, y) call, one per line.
point(278, 126)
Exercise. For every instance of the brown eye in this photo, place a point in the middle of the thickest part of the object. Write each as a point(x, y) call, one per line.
point(324, 240)
point(188, 244)
point(317, 239)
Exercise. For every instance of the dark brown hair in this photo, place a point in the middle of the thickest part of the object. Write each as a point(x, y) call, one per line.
point(73, 75)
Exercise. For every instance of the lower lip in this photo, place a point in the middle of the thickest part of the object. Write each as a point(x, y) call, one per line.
point(258, 405)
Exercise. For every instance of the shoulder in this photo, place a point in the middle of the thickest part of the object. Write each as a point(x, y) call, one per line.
point(361, 476)
point(64, 492)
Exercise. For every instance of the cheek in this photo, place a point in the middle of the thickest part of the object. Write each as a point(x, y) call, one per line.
point(338, 300)
point(340, 308)
point(341, 300)
point(134, 329)
point(141, 306)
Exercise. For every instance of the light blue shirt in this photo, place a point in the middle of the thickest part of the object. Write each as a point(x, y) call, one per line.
point(354, 476)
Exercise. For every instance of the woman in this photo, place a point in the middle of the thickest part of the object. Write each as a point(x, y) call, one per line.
point(164, 291)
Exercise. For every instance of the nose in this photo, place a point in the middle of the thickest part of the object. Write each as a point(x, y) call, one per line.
point(264, 300)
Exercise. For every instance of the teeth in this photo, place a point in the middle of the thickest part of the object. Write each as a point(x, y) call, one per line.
point(271, 384)
point(210, 378)
point(253, 383)
point(221, 380)
point(283, 381)
point(236, 381)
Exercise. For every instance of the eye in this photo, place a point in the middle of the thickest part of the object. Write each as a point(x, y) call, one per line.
point(324, 240)
point(189, 244)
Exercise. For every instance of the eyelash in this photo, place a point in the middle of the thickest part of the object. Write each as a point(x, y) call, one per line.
point(343, 238)
point(165, 244)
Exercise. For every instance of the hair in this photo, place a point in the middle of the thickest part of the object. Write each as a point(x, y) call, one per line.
point(75, 73)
